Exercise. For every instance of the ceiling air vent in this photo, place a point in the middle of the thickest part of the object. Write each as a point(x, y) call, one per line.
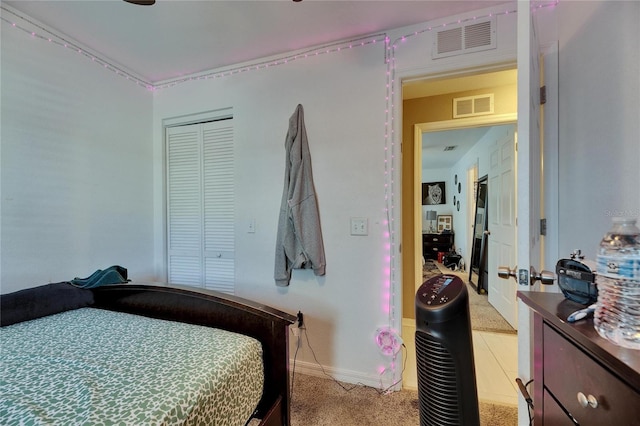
point(457, 39)
point(470, 106)
point(450, 148)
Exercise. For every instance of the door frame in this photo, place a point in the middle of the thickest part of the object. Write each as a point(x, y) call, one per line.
point(411, 266)
point(436, 126)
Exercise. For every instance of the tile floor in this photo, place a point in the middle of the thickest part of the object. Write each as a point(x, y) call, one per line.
point(496, 362)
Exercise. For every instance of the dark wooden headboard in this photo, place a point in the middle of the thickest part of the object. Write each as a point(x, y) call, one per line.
point(213, 309)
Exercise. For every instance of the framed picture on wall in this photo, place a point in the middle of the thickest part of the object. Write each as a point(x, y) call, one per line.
point(445, 222)
point(433, 193)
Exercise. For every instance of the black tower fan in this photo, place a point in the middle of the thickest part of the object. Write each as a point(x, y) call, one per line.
point(447, 389)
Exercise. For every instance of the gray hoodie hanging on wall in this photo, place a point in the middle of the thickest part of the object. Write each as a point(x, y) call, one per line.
point(299, 242)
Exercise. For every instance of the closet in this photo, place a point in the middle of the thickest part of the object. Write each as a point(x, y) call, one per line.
point(200, 205)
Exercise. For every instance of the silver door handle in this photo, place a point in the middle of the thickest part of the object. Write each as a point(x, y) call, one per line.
point(545, 277)
point(504, 272)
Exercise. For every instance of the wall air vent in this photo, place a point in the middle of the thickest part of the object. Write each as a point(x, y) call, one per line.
point(475, 36)
point(470, 106)
point(449, 148)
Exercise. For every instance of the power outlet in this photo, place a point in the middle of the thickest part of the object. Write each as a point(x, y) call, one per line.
point(300, 319)
point(359, 226)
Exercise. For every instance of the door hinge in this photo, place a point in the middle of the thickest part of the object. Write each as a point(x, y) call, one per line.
point(543, 226)
point(543, 95)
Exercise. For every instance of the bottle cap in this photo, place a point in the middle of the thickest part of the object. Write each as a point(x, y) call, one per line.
point(623, 219)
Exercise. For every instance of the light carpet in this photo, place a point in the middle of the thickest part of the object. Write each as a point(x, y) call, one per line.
point(318, 402)
point(484, 317)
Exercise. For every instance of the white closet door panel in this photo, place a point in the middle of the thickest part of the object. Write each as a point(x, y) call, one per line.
point(219, 191)
point(220, 274)
point(185, 270)
point(184, 189)
point(184, 205)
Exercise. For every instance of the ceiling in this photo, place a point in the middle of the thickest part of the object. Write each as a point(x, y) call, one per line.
point(434, 155)
point(174, 38)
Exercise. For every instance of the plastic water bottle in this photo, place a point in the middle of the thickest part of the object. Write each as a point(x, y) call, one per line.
point(617, 315)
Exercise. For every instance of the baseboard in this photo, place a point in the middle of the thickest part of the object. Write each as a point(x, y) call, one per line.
point(347, 376)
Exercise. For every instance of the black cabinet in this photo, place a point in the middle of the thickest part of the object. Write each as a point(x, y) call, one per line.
point(434, 243)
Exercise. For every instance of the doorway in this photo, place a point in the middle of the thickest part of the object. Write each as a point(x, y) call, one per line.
point(413, 217)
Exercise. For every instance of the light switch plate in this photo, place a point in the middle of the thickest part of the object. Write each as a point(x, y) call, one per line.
point(359, 226)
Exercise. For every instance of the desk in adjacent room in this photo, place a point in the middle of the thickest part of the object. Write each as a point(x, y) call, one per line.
point(432, 244)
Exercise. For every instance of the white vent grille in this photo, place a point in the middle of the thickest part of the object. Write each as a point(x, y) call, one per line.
point(473, 105)
point(465, 38)
point(449, 40)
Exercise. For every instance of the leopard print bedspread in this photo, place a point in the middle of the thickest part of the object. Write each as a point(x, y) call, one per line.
point(97, 367)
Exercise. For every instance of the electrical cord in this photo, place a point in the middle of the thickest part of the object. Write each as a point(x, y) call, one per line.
point(527, 397)
point(529, 405)
point(293, 370)
point(345, 388)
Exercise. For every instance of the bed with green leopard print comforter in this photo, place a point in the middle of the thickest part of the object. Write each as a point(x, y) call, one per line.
point(96, 367)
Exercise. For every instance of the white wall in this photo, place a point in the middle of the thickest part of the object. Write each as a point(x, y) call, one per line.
point(78, 191)
point(345, 99)
point(599, 115)
point(96, 199)
point(343, 95)
point(76, 180)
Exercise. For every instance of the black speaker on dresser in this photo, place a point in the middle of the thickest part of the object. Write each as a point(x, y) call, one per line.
point(447, 390)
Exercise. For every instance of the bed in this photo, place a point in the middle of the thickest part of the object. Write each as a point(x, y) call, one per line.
point(141, 354)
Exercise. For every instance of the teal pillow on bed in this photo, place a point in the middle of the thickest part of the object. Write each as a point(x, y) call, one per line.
point(37, 302)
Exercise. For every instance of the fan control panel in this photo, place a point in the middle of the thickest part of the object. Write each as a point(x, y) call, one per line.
point(439, 290)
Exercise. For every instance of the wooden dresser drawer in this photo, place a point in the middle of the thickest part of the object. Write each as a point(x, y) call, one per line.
point(568, 372)
point(432, 244)
point(554, 415)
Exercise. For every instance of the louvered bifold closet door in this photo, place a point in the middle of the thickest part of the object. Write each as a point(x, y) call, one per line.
point(200, 205)
point(184, 204)
point(219, 199)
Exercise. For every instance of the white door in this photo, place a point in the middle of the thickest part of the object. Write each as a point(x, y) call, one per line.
point(501, 210)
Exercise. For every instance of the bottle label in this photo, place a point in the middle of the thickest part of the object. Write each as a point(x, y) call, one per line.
point(627, 267)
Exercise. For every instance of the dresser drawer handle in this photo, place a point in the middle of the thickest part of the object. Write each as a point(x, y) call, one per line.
point(587, 401)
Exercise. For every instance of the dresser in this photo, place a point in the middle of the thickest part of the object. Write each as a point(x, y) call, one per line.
point(434, 243)
point(579, 377)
